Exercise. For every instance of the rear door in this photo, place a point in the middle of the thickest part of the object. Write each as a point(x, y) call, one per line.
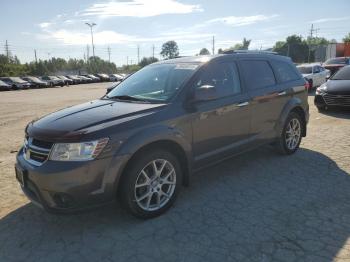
point(222, 125)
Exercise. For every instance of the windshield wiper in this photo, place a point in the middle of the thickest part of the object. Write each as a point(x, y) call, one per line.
point(126, 98)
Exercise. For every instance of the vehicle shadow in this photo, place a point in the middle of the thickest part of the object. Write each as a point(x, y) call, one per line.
point(256, 207)
point(343, 113)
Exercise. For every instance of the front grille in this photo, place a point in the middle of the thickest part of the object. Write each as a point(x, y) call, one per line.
point(36, 151)
point(337, 100)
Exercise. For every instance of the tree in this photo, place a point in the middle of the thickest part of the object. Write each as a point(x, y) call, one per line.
point(204, 51)
point(346, 39)
point(239, 46)
point(294, 47)
point(245, 43)
point(148, 60)
point(170, 50)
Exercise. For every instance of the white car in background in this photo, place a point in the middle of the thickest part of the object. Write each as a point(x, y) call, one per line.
point(315, 74)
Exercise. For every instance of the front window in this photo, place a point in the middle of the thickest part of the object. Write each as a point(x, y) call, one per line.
point(305, 69)
point(17, 80)
point(342, 74)
point(154, 83)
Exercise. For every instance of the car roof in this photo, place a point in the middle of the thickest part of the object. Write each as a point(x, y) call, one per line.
point(206, 58)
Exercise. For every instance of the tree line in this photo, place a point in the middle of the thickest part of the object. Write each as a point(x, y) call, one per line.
point(298, 48)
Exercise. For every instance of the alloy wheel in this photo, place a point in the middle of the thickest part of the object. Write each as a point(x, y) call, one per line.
point(293, 134)
point(155, 185)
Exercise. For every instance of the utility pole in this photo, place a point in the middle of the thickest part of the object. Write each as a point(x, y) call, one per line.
point(87, 52)
point(109, 53)
point(138, 54)
point(91, 25)
point(7, 50)
point(153, 51)
point(312, 30)
point(127, 60)
point(213, 45)
point(36, 60)
point(48, 55)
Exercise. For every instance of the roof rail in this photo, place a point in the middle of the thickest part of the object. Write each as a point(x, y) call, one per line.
point(249, 52)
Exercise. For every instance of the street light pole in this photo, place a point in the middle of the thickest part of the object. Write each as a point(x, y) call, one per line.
point(91, 25)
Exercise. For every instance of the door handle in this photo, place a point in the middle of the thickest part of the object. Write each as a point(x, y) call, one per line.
point(282, 93)
point(243, 104)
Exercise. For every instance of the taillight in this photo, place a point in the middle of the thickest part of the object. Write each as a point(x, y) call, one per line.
point(307, 85)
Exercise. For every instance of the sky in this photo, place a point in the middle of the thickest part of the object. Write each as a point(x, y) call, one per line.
point(58, 29)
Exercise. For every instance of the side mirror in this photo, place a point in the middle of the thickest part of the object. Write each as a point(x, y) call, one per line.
point(205, 93)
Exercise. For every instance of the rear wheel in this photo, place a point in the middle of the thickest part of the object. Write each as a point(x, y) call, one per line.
point(290, 138)
point(150, 186)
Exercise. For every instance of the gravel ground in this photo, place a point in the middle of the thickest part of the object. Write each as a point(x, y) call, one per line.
point(256, 207)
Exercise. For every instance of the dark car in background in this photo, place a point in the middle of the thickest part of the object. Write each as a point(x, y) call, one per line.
point(115, 77)
point(53, 80)
point(103, 77)
point(94, 79)
point(4, 86)
point(75, 79)
point(16, 83)
point(66, 80)
point(335, 92)
point(36, 82)
point(144, 139)
point(334, 64)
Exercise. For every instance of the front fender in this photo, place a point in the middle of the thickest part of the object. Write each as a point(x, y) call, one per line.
point(294, 102)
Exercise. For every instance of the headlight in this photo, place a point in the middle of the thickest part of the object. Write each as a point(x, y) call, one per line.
point(78, 151)
point(322, 89)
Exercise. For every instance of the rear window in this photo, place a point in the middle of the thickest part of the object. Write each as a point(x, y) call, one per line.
point(305, 69)
point(342, 61)
point(284, 71)
point(257, 74)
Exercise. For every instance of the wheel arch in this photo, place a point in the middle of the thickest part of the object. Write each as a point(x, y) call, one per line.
point(294, 105)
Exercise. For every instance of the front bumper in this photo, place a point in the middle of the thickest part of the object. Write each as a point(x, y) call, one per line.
point(70, 186)
point(325, 99)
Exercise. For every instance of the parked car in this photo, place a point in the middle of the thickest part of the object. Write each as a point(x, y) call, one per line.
point(53, 81)
point(4, 86)
point(36, 82)
point(334, 64)
point(76, 80)
point(115, 77)
point(66, 80)
point(94, 78)
point(16, 83)
point(145, 138)
point(335, 92)
point(315, 74)
point(103, 77)
point(85, 79)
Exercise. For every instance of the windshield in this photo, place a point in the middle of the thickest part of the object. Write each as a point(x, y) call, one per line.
point(342, 61)
point(34, 79)
point(342, 74)
point(305, 69)
point(54, 78)
point(155, 82)
point(2, 82)
point(17, 80)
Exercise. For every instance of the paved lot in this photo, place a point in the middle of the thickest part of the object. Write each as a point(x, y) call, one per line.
point(256, 207)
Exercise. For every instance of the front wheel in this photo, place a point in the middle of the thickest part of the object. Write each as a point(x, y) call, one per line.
point(290, 138)
point(150, 186)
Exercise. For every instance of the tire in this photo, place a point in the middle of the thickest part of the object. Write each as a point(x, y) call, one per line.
point(288, 143)
point(142, 189)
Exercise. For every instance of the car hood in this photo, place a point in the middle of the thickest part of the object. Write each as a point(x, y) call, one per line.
point(338, 87)
point(73, 122)
point(306, 75)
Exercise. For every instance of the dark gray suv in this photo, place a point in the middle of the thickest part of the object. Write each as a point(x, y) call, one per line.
point(143, 140)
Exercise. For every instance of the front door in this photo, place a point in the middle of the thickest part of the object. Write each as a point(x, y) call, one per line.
point(222, 125)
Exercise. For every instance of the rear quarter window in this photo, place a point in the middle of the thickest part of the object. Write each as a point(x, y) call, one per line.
point(257, 74)
point(285, 72)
